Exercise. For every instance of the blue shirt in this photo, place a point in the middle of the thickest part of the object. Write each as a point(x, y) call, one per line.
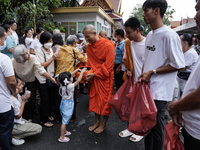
point(9, 44)
point(119, 51)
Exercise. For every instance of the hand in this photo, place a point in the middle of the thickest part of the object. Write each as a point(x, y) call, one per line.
point(55, 55)
point(177, 119)
point(26, 97)
point(54, 81)
point(117, 71)
point(84, 70)
point(146, 76)
point(128, 73)
point(89, 77)
point(171, 108)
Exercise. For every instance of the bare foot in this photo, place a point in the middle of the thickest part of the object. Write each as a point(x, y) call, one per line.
point(100, 129)
point(91, 128)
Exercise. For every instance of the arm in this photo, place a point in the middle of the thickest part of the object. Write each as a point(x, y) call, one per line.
point(80, 56)
point(47, 63)
point(74, 72)
point(32, 51)
point(80, 77)
point(49, 77)
point(11, 83)
point(10, 50)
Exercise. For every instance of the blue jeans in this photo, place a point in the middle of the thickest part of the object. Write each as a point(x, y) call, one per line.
point(6, 126)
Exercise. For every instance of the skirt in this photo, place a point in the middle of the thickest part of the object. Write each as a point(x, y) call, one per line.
point(66, 110)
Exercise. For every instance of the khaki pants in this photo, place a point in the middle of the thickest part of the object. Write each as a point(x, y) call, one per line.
point(26, 129)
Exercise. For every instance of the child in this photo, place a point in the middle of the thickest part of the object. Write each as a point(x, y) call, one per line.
point(22, 128)
point(67, 104)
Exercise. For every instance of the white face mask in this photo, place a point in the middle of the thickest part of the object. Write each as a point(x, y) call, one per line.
point(3, 47)
point(48, 45)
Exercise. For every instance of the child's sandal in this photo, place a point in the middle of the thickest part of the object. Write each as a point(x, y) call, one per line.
point(67, 133)
point(66, 139)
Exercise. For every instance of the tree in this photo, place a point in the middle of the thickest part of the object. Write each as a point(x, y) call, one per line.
point(138, 12)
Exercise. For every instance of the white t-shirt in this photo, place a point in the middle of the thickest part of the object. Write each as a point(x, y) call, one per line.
point(35, 44)
point(70, 91)
point(138, 51)
point(163, 47)
point(16, 107)
point(15, 37)
point(191, 57)
point(6, 70)
point(28, 43)
point(192, 118)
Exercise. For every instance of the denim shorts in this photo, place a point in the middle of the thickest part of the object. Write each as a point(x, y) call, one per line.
point(66, 110)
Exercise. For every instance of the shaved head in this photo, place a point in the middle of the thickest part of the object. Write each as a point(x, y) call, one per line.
point(103, 34)
point(90, 34)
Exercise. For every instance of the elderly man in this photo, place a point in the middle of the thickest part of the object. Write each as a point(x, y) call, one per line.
point(189, 104)
point(67, 61)
point(56, 32)
point(13, 26)
point(101, 58)
point(7, 85)
point(103, 34)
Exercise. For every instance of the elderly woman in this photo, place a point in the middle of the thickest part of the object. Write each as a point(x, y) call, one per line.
point(46, 57)
point(25, 66)
point(67, 61)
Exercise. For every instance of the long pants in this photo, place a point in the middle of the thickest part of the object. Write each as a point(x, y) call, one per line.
point(118, 77)
point(47, 96)
point(57, 104)
point(30, 104)
point(6, 126)
point(190, 143)
point(26, 129)
point(155, 139)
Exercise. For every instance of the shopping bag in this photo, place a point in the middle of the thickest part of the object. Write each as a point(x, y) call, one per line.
point(172, 140)
point(121, 102)
point(143, 111)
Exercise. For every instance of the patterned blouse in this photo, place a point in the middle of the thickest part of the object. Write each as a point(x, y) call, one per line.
point(65, 61)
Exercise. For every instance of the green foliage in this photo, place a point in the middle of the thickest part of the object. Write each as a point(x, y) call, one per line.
point(51, 26)
point(138, 12)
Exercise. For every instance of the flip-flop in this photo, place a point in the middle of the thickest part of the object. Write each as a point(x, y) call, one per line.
point(125, 133)
point(137, 137)
point(66, 139)
point(67, 133)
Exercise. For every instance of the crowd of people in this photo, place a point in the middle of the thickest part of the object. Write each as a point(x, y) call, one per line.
point(45, 66)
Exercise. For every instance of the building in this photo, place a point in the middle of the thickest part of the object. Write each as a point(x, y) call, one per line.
point(103, 14)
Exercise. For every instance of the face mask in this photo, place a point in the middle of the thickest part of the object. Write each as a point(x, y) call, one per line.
point(48, 45)
point(3, 47)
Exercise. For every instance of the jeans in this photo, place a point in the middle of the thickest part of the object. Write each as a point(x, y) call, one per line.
point(155, 139)
point(118, 78)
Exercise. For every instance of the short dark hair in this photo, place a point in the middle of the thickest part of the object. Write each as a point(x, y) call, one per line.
point(26, 31)
point(161, 4)
point(6, 27)
point(45, 37)
point(188, 38)
point(133, 23)
point(34, 35)
point(57, 39)
point(2, 32)
point(11, 22)
point(120, 32)
point(39, 30)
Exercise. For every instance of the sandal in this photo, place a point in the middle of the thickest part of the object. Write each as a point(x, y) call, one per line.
point(66, 139)
point(67, 133)
point(125, 133)
point(137, 138)
point(47, 126)
point(51, 118)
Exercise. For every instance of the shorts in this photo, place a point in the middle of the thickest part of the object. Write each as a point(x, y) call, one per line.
point(66, 110)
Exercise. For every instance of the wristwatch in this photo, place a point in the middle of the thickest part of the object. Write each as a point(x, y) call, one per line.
point(154, 71)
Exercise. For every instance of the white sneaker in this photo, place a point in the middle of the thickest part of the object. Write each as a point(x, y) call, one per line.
point(17, 141)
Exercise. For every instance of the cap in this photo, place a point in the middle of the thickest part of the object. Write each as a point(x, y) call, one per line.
point(80, 36)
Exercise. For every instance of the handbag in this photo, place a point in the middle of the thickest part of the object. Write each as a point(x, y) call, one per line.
point(49, 83)
point(183, 75)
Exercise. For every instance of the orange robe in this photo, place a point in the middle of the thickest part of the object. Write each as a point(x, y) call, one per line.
point(101, 58)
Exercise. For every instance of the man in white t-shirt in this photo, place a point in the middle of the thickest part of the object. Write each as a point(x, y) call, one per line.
point(189, 104)
point(137, 44)
point(13, 26)
point(7, 85)
point(163, 58)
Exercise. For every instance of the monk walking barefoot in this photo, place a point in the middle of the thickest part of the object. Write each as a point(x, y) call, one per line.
point(101, 56)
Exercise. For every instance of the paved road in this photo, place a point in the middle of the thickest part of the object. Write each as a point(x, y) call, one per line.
point(82, 138)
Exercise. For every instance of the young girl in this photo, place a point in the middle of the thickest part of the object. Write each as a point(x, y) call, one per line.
point(67, 104)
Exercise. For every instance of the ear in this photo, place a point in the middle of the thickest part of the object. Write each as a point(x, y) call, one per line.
point(157, 11)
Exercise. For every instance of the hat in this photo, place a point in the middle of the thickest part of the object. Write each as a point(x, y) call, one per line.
point(80, 36)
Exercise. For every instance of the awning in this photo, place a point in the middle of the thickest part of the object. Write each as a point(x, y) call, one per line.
point(189, 27)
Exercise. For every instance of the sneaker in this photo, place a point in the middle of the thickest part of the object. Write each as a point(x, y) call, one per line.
point(17, 141)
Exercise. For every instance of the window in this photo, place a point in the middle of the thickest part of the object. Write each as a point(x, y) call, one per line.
point(98, 27)
point(81, 26)
point(90, 23)
point(70, 27)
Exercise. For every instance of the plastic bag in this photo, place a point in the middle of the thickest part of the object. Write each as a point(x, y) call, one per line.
point(121, 102)
point(143, 110)
point(172, 140)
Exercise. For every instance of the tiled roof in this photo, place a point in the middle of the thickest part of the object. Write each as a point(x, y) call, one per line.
point(115, 3)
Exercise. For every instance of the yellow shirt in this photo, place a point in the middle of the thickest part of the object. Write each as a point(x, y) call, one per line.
point(65, 61)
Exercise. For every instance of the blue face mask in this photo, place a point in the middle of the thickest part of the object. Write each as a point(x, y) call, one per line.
point(3, 47)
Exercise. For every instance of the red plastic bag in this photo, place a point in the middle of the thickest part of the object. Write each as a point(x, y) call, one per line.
point(143, 110)
point(172, 140)
point(121, 102)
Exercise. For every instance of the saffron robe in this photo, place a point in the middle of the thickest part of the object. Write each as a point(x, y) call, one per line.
point(101, 58)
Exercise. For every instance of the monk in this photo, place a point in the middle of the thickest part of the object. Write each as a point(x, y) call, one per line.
point(103, 34)
point(101, 58)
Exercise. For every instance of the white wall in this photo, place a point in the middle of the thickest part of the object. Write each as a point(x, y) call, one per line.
point(101, 20)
